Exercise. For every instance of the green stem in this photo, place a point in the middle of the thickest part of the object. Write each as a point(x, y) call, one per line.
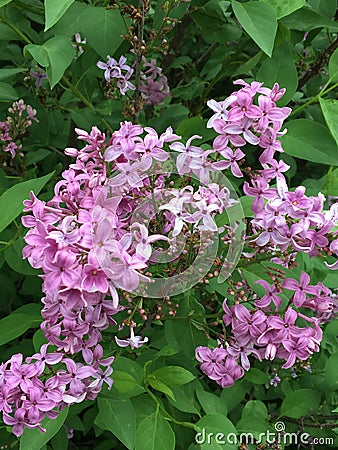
point(12, 241)
point(81, 97)
point(168, 416)
point(16, 29)
point(315, 98)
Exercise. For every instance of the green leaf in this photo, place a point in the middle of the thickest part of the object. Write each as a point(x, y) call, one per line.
point(117, 416)
point(330, 113)
point(326, 8)
point(125, 383)
point(280, 68)
point(70, 23)
point(183, 335)
point(306, 19)
point(103, 29)
point(285, 7)
point(4, 2)
point(299, 403)
point(214, 24)
point(13, 326)
point(33, 310)
point(256, 376)
point(9, 72)
point(254, 408)
point(56, 55)
point(7, 92)
point(167, 350)
point(333, 66)
point(128, 365)
point(233, 395)
point(144, 406)
point(211, 403)
point(54, 10)
point(33, 439)
point(187, 91)
point(154, 433)
point(311, 141)
point(331, 372)
point(254, 418)
point(38, 340)
point(185, 399)
point(13, 256)
point(11, 200)
point(246, 203)
point(249, 64)
point(158, 385)
point(194, 125)
point(173, 375)
point(35, 156)
point(216, 424)
point(259, 21)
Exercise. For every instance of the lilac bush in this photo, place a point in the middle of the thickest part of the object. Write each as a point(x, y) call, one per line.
point(171, 282)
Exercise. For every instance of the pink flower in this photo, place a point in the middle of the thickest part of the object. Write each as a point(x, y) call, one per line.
point(244, 107)
point(232, 156)
point(270, 296)
point(301, 288)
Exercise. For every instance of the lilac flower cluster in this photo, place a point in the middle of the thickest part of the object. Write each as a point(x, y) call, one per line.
point(20, 118)
point(119, 71)
point(46, 383)
point(262, 334)
point(219, 365)
point(289, 221)
point(89, 246)
point(282, 218)
point(239, 122)
point(154, 86)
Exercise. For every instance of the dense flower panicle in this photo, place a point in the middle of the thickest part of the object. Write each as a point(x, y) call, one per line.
point(26, 400)
point(259, 333)
point(238, 120)
point(284, 219)
point(21, 117)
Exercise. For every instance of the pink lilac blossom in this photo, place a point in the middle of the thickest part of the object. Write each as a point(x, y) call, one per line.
point(118, 71)
point(89, 247)
point(21, 117)
point(261, 334)
point(283, 218)
point(154, 85)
